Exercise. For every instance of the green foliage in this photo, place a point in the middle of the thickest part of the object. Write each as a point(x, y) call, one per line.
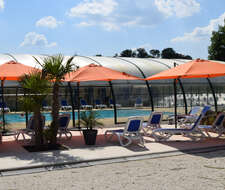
point(128, 53)
point(89, 119)
point(53, 67)
point(154, 53)
point(170, 53)
point(36, 88)
point(216, 49)
point(142, 53)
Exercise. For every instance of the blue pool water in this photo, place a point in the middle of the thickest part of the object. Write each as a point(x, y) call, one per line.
point(102, 114)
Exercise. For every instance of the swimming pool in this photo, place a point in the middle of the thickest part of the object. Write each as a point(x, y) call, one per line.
point(11, 118)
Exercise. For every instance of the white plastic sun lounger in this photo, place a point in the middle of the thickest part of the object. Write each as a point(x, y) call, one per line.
point(131, 132)
point(153, 122)
point(166, 133)
point(217, 126)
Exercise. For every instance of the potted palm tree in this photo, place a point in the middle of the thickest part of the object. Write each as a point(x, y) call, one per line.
point(89, 119)
point(55, 69)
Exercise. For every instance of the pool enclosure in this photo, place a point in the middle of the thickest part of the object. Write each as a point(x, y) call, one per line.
point(128, 95)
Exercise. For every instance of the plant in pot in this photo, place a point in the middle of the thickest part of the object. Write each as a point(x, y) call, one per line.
point(89, 119)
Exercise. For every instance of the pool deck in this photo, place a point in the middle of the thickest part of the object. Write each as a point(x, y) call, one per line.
point(14, 158)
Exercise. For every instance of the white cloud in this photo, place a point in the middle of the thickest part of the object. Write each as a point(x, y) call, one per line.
point(113, 15)
point(85, 24)
point(49, 22)
point(180, 8)
point(1, 4)
point(34, 39)
point(200, 33)
point(94, 7)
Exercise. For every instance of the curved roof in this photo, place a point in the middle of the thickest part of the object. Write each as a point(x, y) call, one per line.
point(140, 67)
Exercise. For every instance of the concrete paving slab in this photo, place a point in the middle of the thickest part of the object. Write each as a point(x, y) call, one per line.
point(14, 156)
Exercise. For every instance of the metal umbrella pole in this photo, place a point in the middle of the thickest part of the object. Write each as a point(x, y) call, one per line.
point(3, 110)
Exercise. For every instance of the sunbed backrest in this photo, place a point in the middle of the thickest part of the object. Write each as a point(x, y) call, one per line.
point(219, 120)
point(83, 102)
point(134, 124)
point(64, 121)
point(155, 118)
point(194, 110)
point(64, 103)
point(204, 110)
point(30, 124)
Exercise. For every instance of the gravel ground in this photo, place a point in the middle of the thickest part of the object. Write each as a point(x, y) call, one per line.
point(199, 171)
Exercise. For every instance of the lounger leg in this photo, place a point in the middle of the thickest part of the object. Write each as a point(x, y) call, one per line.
point(121, 141)
point(110, 137)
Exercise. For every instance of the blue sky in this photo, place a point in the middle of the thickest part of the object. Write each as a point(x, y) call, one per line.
point(90, 27)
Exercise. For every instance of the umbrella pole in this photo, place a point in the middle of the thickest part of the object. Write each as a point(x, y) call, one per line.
point(16, 99)
point(71, 97)
point(114, 102)
point(213, 93)
point(26, 113)
point(175, 101)
point(184, 96)
point(78, 96)
point(3, 110)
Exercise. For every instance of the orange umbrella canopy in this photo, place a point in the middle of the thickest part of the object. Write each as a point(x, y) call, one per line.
point(13, 70)
point(194, 69)
point(94, 72)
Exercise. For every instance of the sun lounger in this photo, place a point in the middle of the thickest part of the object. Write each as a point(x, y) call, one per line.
point(84, 105)
point(138, 103)
point(217, 126)
point(65, 106)
point(45, 107)
point(29, 130)
point(3, 104)
point(154, 121)
point(130, 133)
point(64, 120)
point(189, 118)
point(111, 104)
point(98, 104)
point(166, 133)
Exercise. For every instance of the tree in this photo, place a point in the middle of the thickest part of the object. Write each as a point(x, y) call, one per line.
point(216, 49)
point(142, 53)
point(128, 53)
point(154, 53)
point(37, 88)
point(169, 53)
point(55, 70)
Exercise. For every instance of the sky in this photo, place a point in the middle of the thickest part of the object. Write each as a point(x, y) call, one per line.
point(107, 27)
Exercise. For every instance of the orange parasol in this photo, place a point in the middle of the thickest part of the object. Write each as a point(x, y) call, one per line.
point(94, 72)
point(13, 70)
point(194, 69)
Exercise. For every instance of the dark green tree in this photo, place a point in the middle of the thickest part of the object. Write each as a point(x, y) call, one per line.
point(154, 53)
point(127, 53)
point(168, 53)
point(142, 53)
point(216, 49)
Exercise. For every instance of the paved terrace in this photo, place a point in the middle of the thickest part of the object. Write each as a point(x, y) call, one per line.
point(13, 156)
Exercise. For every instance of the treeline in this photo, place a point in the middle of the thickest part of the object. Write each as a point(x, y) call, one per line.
point(167, 53)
